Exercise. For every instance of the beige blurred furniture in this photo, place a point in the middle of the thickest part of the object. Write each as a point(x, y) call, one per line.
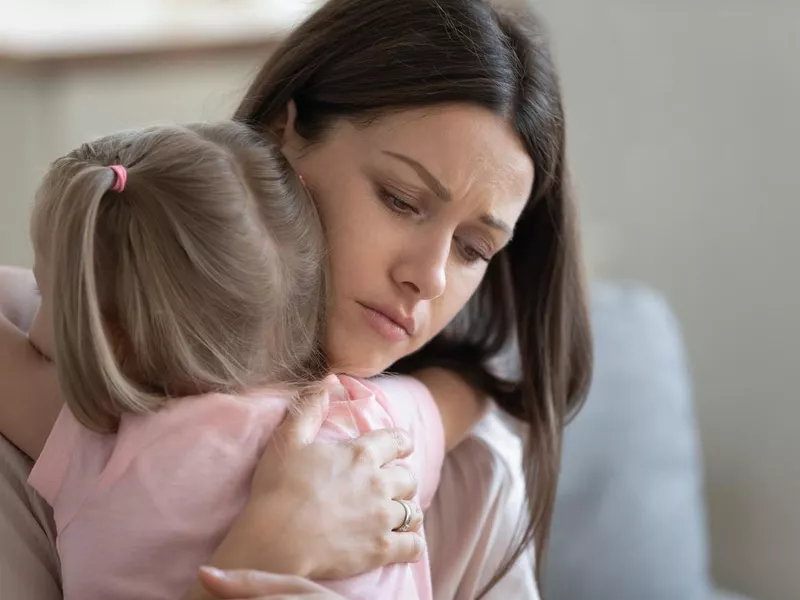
point(66, 78)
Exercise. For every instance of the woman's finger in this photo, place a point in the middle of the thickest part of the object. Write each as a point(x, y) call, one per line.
point(226, 585)
point(296, 433)
point(404, 510)
point(382, 446)
point(303, 420)
point(239, 585)
point(403, 547)
point(400, 482)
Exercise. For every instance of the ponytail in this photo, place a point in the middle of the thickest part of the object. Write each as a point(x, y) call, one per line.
point(97, 389)
point(204, 272)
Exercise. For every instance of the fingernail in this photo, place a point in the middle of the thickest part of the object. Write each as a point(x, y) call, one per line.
point(214, 572)
point(407, 441)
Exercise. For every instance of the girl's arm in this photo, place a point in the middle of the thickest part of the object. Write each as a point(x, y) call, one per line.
point(18, 298)
point(30, 396)
point(460, 406)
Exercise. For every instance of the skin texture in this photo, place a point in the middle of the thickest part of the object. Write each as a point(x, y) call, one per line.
point(394, 245)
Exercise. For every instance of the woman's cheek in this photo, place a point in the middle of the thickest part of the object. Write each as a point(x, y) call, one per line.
point(462, 283)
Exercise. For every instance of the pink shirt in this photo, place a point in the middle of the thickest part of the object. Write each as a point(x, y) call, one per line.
point(139, 511)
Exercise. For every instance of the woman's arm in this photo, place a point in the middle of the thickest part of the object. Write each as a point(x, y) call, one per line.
point(460, 407)
point(319, 511)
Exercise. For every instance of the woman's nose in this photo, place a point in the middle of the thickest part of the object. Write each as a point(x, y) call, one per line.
point(423, 271)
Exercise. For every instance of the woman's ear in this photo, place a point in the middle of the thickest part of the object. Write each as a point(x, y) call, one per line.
point(284, 125)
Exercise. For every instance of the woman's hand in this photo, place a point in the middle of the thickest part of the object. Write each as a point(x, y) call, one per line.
point(325, 511)
point(257, 585)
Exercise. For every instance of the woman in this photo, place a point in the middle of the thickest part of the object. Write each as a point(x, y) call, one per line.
point(429, 132)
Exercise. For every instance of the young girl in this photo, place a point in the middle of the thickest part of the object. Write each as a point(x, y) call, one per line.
point(183, 291)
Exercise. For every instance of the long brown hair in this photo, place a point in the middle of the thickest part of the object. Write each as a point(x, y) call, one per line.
point(204, 274)
point(357, 59)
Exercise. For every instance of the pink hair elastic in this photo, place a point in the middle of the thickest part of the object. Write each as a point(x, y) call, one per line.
point(121, 178)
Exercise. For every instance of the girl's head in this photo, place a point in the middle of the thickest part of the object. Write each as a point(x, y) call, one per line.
point(432, 134)
point(204, 274)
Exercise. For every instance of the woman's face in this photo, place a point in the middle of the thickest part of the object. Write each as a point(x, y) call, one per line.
point(414, 205)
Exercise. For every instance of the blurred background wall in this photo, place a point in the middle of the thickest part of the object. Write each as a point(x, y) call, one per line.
point(684, 122)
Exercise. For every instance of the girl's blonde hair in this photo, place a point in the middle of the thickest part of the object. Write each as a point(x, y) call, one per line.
point(205, 274)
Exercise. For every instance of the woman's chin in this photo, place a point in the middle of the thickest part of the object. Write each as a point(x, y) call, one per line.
point(364, 366)
point(365, 372)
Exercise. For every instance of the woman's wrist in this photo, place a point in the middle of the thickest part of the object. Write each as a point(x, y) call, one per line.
point(253, 542)
point(256, 540)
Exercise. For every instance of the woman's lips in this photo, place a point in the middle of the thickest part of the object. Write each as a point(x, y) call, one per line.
point(384, 325)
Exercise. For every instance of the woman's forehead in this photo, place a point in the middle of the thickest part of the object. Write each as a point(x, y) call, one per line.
point(468, 149)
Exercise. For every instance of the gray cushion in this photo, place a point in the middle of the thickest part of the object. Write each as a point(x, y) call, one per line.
point(629, 522)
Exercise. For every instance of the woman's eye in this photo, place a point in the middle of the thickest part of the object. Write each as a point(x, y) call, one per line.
point(401, 206)
point(471, 255)
point(398, 205)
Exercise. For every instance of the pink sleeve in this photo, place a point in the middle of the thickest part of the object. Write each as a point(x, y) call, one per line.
point(412, 408)
point(50, 469)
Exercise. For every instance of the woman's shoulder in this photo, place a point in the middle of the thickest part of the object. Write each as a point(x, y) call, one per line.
point(495, 444)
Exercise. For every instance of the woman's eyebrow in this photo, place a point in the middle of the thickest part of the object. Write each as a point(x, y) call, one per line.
point(441, 191)
point(495, 223)
point(436, 186)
